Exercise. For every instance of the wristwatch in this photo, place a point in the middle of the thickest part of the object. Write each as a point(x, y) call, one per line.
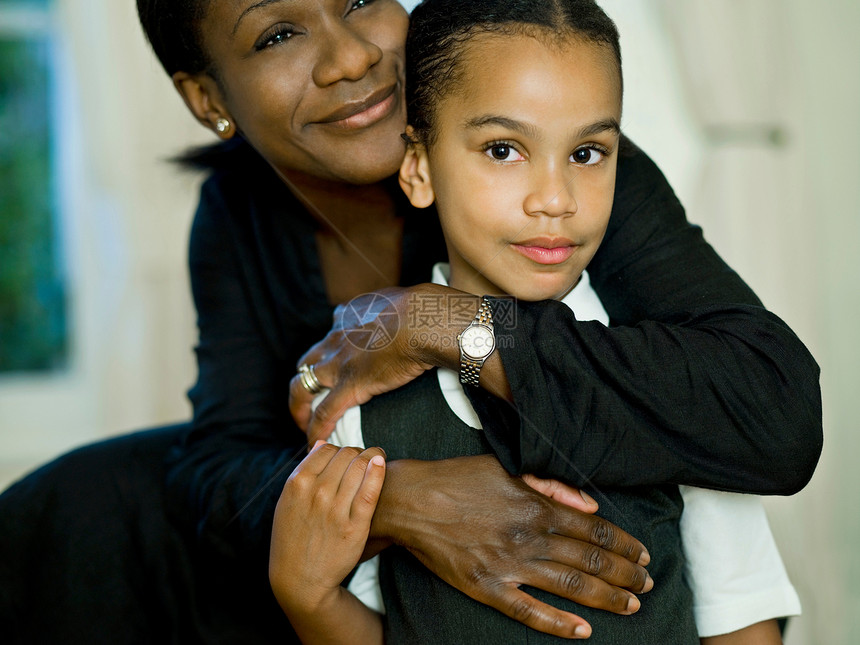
point(476, 342)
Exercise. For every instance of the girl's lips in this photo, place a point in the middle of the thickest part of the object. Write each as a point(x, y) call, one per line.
point(367, 114)
point(543, 255)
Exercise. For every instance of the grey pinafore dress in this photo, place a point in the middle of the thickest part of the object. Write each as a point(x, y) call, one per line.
point(416, 422)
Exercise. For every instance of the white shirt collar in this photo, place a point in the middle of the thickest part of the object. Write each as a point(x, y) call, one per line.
point(582, 299)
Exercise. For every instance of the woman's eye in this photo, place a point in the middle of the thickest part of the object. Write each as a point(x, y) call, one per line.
point(358, 4)
point(503, 152)
point(587, 156)
point(275, 37)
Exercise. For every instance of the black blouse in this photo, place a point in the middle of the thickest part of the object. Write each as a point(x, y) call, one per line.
point(694, 382)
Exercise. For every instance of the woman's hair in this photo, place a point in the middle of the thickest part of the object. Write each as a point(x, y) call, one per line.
point(439, 30)
point(173, 29)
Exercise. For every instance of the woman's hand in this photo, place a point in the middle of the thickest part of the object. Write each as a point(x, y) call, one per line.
point(486, 533)
point(381, 341)
point(321, 525)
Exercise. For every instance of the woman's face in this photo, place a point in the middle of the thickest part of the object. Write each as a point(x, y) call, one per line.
point(314, 85)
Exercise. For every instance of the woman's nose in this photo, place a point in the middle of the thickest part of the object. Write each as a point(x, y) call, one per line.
point(551, 192)
point(345, 55)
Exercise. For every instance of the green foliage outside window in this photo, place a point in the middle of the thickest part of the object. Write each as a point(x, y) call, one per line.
point(32, 306)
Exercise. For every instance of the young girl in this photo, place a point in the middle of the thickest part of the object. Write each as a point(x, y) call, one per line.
point(514, 112)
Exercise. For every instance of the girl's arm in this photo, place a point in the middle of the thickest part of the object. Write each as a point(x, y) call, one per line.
point(732, 565)
point(319, 532)
point(764, 633)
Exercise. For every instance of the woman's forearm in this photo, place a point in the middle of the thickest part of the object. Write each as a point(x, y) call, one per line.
point(726, 399)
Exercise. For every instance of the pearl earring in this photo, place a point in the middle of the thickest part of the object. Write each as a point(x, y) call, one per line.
point(222, 125)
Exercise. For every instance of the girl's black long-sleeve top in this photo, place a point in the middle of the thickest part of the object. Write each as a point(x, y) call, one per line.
point(694, 382)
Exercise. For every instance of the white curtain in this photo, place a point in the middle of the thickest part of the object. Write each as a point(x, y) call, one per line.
point(733, 58)
point(746, 77)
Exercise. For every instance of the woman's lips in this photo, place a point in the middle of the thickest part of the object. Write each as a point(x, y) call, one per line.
point(546, 251)
point(364, 113)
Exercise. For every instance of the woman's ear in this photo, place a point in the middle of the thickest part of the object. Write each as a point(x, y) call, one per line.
point(203, 97)
point(415, 174)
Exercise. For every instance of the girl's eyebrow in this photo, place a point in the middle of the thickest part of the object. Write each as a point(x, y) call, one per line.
point(597, 127)
point(527, 129)
point(253, 7)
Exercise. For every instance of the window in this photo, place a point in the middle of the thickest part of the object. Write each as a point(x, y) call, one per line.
point(32, 294)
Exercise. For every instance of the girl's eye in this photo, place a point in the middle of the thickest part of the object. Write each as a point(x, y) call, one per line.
point(587, 156)
point(358, 4)
point(503, 152)
point(275, 36)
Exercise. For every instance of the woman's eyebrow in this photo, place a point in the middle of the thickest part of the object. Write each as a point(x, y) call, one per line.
point(259, 5)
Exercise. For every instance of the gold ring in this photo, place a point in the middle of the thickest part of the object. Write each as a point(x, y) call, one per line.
point(309, 379)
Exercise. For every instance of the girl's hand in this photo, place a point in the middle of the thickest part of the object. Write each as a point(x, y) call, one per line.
point(561, 492)
point(379, 342)
point(321, 524)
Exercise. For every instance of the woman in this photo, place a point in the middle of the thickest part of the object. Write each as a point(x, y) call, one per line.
point(315, 88)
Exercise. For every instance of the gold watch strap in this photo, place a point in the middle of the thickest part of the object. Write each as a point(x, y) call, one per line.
point(470, 372)
point(485, 313)
point(470, 369)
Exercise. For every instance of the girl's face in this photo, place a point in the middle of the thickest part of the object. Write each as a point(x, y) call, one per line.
point(314, 85)
point(522, 168)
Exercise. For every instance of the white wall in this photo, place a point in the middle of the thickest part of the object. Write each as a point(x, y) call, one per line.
point(128, 216)
point(821, 526)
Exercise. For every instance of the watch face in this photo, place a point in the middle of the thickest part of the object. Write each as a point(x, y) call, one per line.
point(477, 341)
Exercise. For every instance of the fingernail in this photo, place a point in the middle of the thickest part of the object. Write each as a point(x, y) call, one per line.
point(649, 583)
point(317, 443)
point(376, 460)
point(582, 631)
point(644, 558)
point(588, 498)
point(633, 604)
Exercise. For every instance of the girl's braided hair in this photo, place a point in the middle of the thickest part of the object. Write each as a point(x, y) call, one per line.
point(440, 29)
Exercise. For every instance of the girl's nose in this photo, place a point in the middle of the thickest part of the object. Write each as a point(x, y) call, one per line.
point(552, 193)
point(345, 55)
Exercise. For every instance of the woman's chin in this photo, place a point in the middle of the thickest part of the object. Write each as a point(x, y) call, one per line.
point(350, 169)
point(375, 169)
